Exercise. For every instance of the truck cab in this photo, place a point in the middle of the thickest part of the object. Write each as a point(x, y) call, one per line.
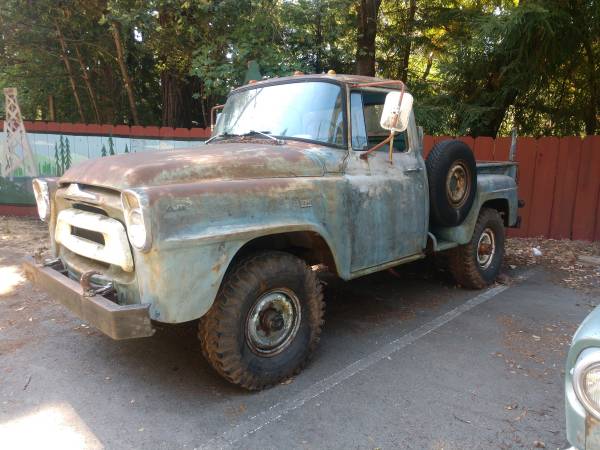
point(300, 171)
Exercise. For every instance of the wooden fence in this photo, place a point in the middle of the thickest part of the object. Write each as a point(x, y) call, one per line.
point(559, 178)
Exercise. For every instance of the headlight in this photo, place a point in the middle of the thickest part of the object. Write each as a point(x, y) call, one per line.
point(42, 198)
point(586, 381)
point(134, 219)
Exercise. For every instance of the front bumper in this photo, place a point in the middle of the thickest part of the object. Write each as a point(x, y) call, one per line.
point(116, 321)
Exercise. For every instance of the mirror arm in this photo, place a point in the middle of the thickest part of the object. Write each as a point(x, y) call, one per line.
point(213, 114)
point(376, 147)
point(390, 138)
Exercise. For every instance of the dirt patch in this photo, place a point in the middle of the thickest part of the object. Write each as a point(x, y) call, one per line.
point(571, 263)
point(21, 236)
point(21, 307)
point(529, 349)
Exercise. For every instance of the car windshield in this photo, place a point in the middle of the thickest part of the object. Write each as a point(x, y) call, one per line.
point(301, 110)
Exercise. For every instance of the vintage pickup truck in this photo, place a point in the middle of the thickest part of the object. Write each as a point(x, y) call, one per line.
point(303, 171)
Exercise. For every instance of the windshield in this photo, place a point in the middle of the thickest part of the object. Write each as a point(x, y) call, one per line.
point(302, 110)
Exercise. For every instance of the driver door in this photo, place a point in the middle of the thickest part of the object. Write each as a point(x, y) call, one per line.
point(387, 204)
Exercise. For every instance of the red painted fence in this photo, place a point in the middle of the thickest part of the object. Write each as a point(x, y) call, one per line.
point(559, 178)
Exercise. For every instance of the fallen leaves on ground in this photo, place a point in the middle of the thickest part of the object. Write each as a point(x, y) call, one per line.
point(571, 262)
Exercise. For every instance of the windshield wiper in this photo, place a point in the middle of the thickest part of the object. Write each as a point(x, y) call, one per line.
point(220, 135)
point(249, 133)
point(265, 134)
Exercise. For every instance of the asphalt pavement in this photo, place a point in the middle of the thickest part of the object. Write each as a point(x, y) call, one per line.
point(407, 360)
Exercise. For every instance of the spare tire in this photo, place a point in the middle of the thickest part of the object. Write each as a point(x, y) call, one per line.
point(452, 175)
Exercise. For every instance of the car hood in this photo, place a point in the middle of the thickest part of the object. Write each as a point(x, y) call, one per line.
point(227, 161)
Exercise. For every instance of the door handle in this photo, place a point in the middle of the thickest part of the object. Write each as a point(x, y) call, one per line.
point(413, 170)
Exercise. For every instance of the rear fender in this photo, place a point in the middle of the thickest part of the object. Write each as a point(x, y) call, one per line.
point(492, 190)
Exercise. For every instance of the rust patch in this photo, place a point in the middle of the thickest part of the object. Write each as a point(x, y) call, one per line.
point(216, 268)
point(228, 160)
point(266, 186)
point(592, 432)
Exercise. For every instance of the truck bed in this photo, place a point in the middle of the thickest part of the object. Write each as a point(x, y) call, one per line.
point(508, 168)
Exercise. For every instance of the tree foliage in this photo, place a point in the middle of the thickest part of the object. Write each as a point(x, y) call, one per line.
point(475, 67)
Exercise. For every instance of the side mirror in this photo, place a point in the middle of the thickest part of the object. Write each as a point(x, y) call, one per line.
point(395, 114)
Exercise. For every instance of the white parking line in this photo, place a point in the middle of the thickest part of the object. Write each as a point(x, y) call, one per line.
point(281, 409)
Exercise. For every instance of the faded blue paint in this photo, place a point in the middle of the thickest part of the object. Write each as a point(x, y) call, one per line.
point(489, 187)
point(583, 431)
point(203, 204)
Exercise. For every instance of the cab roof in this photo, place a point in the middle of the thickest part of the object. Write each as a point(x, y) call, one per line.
point(340, 78)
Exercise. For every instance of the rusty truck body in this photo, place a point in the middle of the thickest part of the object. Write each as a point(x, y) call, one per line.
point(227, 231)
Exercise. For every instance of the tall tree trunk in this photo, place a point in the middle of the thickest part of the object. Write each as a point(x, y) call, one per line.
point(428, 67)
point(88, 85)
point(175, 85)
point(410, 24)
point(586, 29)
point(489, 122)
point(367, 31)
point(319, 39)
point(203, 106)
point(51, 111)
point(124, 73)
point(591, 114)
point(65, 58)
point(176, 98)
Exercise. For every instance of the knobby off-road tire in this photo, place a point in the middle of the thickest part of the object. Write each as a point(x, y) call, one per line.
point(452, 176)
point(476, 265)
point(250, 336)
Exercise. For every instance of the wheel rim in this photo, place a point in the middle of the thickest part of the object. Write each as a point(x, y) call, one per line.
point(486, 248)
point(457, 184)
point(273, 322)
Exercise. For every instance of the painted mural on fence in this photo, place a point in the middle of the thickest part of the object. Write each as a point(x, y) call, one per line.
point(56, 153)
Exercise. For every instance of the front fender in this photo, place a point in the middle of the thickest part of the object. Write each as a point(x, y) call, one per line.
point(181, 279)
point(198, 229)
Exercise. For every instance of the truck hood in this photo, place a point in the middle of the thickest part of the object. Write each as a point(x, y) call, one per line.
point(227, 161)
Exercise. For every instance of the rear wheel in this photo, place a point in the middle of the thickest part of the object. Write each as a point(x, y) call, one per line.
point(477, 264)
point(265, 322)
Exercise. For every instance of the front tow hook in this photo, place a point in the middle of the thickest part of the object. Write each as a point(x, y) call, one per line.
point(88, 290)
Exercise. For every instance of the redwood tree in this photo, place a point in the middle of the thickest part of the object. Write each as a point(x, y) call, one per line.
point(368, 12)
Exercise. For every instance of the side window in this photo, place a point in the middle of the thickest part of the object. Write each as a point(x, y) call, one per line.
point(359, 133)
point(373, 102)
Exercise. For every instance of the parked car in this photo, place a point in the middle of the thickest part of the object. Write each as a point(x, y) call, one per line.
point(300, 171)
point(582, 385)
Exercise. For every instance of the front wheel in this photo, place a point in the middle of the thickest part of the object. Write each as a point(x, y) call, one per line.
point(476, 264)
point(265, 322)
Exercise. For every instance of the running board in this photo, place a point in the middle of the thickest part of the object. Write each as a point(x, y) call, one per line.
point(439, 245)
